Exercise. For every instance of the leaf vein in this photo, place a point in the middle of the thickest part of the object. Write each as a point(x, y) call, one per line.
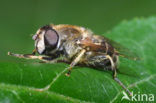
point(15, 88)
point(53, 81)
point(134, 84)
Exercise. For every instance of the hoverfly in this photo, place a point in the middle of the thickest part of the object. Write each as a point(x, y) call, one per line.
point(77, 46)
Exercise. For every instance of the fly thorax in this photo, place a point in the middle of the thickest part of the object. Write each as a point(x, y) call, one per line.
point(71, 49)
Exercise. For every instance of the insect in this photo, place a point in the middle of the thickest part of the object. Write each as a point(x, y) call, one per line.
point(77, 46)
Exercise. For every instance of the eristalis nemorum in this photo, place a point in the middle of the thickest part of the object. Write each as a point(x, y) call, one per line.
point(77, 46)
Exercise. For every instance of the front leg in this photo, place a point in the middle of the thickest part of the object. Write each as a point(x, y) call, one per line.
point(44, 59)
point(31, 56)
point(34, 51)
point(76, 60)
point(28, 56)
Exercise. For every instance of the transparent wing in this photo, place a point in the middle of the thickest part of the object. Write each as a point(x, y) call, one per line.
point(123, 51)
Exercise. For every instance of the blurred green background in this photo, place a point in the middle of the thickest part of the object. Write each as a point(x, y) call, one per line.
point(19, 19)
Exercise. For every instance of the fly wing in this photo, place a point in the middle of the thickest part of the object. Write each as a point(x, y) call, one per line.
point(123, 51)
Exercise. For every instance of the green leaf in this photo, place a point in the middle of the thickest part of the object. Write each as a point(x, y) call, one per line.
point(27, 81)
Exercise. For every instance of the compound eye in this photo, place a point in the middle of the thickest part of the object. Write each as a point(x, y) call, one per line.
point(51, 38)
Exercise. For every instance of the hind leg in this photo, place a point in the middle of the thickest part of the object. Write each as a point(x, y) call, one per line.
point(114, 68)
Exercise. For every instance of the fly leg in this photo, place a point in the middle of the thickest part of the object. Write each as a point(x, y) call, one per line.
point(44, 59)
point(76, 60)
point(49, 60)
point(115, 75)
point(34, 51)
point(30, 56)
